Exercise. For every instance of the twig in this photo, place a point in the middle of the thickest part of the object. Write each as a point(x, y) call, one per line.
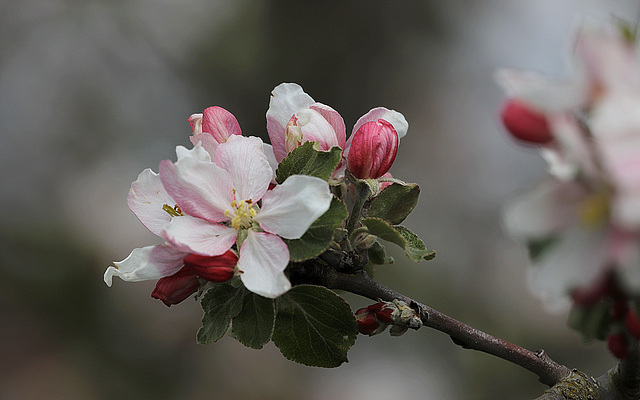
point(548, 371)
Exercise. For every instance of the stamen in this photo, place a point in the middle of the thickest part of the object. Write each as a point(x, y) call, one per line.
point(174, 211)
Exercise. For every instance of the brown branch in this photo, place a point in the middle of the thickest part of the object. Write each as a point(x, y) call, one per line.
point(548, 371)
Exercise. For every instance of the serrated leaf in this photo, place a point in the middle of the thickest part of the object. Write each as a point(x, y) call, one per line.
point(314, 326)
point(413, 246)
point(395, 202)
point(319, 235)
point(253, 326)
point(305, 160)
point(220, 304)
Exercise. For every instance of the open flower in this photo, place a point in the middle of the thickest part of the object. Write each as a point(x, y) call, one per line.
point(155, 208)
point(226, 202)
point(294, 118)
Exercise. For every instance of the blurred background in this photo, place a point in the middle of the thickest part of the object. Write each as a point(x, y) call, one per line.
point(92, 92)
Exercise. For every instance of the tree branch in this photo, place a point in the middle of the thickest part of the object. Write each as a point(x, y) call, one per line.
point(548, 371)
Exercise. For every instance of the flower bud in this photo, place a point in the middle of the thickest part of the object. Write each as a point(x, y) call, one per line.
point(367, 322)
point(373, 149)
point(212, 268)
point(618, 345)
point(525, 123)
point(177, 287)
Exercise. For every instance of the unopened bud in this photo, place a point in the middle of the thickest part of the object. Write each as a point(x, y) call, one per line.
point(213, 268)
point(368, 323)
point(373, 149)
point(177, 287)
point(525, 123)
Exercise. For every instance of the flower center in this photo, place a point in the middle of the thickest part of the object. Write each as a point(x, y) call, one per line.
point(293, 135)
point(242, 214)
point(594, 210)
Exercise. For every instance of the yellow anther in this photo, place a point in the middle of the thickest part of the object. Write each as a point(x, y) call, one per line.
point(594, 211)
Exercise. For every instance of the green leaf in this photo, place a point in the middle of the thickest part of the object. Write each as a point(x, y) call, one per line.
point(305, 160)
point(253, 326)
point(377, 254)
point(413, 246)
point(220, 304)
point(395, 202)
point(314, 326)
point(319, 235)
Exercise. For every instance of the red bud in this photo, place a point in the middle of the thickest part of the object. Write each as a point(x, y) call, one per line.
point(525, 123)
point(367, 322)
point(213, 268)
point(177, 287)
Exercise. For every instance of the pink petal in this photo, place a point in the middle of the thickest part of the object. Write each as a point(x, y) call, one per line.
point(201, 189)
point(220, 124)
point(289, 209)
point(335, 120)
point(146, 199)
point(315, 128)
point(263, 259)
point(243, 158)
point(195, 235)
point(151, 262)
point(206, 141)
point(286, 100)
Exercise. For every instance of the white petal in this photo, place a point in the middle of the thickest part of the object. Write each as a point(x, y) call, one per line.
point(289, 209)
point(271, 157)
point(145, 263)
point(547, 209)
point(200, 188)
point(286, 100)
point(263, 259)
point(146, 198)
point(243, 158)
point(196, 235)
point(395, 118)
point(578, 258)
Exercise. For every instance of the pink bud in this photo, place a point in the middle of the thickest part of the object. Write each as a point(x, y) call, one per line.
point(525, 123)
point(217, 122)
point(383, 311)
point(373, 149)
point(177, 287)
point(212, 268)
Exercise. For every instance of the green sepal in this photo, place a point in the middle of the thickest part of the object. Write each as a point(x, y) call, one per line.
point(314, 326)
point(305, 160)
point(395, 202)
point(378, 255)
point(221, 303)
point(320, 234)
point(253, 326)
point(413, 246)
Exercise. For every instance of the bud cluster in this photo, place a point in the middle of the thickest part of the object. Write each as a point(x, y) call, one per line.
point(375, 318)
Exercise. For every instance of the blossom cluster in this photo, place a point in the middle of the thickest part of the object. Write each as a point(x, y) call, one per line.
point(219, 210)
point(582, 223)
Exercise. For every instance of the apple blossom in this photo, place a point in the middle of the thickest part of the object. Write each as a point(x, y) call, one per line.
point(294, 118)
point(155, 208)
point(226, 201)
